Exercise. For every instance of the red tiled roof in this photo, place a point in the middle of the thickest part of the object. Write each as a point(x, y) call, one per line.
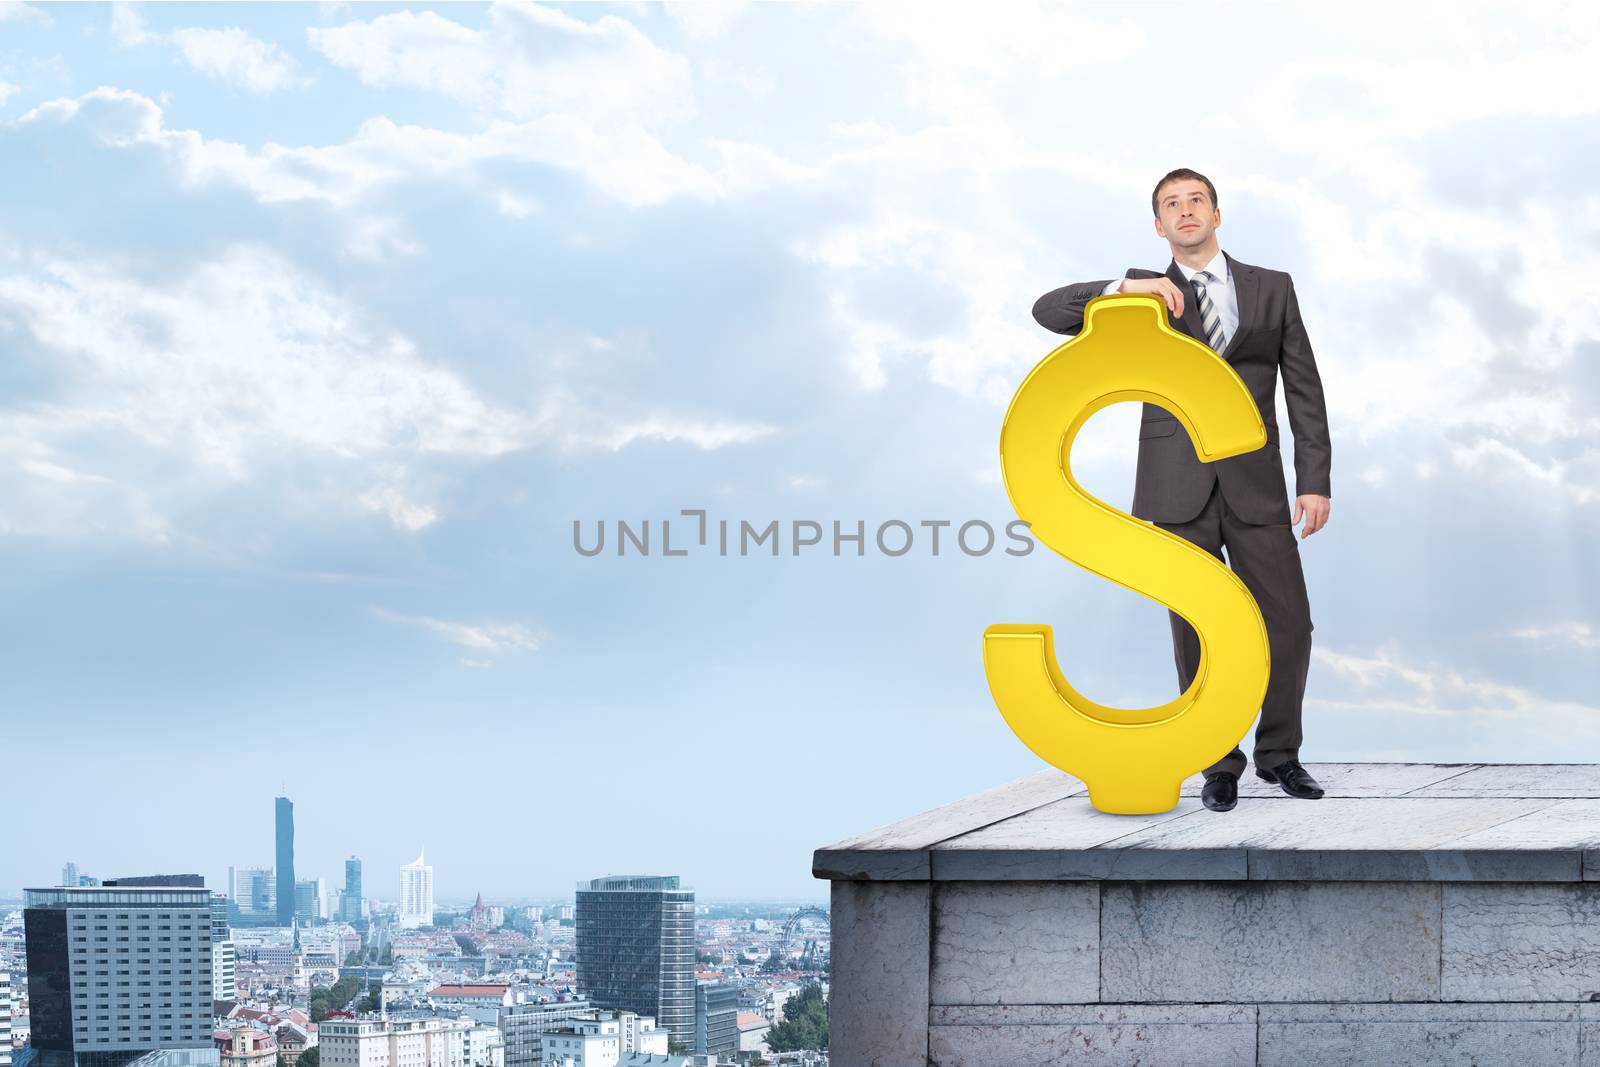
point(749, 1020)
point(469, 991)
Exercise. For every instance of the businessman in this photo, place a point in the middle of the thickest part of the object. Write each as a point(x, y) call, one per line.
point(1249, 316)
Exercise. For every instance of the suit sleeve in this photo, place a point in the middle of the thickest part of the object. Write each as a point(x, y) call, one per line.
point(1061, 310)
point(1308, 413)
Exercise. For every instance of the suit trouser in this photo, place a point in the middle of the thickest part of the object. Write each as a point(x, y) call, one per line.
point(1267, 560)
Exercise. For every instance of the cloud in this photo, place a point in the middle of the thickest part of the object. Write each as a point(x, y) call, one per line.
point(496, 637)
point(6, 91)
point(626, 163)
point(531, 61)
point(1578, 634)
point(1385, 683)
point(233, 56)
point(244, 368)
point(17, 11)
point(229, 55)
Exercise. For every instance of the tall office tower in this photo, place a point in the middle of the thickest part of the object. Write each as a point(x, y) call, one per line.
point(350, 895)
point(223, 957)
point(120, 968)
point(285, 861)
point(69, 874)
point(636, 948)
point(416, 893)
point(5, 1019)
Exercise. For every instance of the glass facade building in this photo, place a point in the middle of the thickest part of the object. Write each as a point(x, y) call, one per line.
point(521, 1026)
point(635, 948)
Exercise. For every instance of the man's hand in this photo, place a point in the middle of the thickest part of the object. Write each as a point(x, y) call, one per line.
point(1162, 287)
point(1315, 508)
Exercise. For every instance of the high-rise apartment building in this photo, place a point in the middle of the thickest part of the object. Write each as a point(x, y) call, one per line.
point(416, 893)
point(350, 895)
point(5, 1019)
point(635, 948)
point(120, 968)
point(285, 828)
point(69, 873)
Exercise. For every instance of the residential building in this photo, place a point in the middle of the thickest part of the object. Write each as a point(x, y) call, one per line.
point(753, 1027)
point(285, 857)
point(522, 1024)
point(586, 1042)
point(479, 1002)
point(393, 1041)
point(245, 1046)
point(123, 967)
point(416, 893)
point(485, 1046)
point(636, 950)
point(716, 1019)
point(5, 1019)
point(69, 874)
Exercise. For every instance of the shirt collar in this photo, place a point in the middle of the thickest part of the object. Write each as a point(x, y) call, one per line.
point(1218, 268)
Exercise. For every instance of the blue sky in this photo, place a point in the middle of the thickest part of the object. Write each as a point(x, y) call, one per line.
point(321, 324)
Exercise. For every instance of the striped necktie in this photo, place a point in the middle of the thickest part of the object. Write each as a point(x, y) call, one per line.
point(1208, 312)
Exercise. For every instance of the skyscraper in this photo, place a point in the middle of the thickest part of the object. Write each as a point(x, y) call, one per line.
point(350, 896)
point(69, 874)
point(224, 961)
point(124, 967)
point(285, 867)
point(416, 893)
point(636, 948)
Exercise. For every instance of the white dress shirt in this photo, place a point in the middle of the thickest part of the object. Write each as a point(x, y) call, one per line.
point(1220, 289)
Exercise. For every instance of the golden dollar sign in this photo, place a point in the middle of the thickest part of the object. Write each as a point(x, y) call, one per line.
point(1132, 760)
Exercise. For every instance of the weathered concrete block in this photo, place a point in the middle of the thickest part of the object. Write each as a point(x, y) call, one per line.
point(1016, 942)
point(1509, 941)
point(880, 955)
point(1269, 941)
point(1055, 1035)
point(1418, 1035)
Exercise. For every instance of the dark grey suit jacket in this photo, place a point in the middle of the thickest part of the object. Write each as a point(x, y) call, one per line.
point(1171, 484)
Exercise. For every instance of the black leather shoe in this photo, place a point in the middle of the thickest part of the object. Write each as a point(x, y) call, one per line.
point(1295, 779)
point(1221, 792)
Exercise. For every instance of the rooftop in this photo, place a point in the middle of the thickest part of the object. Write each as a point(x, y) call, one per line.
point(1377, 822)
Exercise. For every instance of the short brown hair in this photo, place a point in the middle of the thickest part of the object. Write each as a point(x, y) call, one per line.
point(1174, 175)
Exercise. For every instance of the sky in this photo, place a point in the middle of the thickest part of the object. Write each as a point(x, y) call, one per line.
point(321, 326)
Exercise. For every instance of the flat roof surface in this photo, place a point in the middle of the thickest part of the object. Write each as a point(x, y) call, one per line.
point(1377, 822)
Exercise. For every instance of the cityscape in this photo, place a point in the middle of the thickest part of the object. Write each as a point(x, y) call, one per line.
point(280, 968)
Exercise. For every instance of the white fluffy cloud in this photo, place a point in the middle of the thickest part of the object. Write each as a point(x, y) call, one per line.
point(228, 54)
point(529, 61)
point(242, 365)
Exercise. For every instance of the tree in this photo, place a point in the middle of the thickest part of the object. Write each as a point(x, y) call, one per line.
point(773, 963)
point(311, 1057)
point(805, 1022)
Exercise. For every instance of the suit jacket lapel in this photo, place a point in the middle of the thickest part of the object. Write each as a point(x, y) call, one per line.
point(1244, 291)
point(1190, 323)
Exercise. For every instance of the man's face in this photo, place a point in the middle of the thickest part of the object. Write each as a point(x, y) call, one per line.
point(1187, 218)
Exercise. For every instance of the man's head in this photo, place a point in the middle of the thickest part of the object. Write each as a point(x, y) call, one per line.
point(1185, 206)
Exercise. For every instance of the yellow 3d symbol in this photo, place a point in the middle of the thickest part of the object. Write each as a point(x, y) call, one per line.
point(1133, 761)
